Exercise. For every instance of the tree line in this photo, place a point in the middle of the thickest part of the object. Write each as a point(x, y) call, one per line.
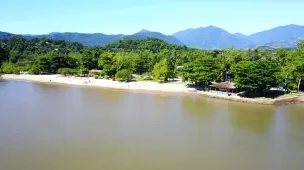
point(251, 70)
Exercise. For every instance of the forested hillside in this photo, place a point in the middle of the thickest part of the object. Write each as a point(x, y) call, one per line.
point(252, 70)
point(98, 39)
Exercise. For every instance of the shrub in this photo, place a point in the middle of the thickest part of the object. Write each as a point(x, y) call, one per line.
point(123, 75)
point(83, 71)
point(147, 76)
point(95, 73)
point(66, 71)
point(35, 69)
point(102, 74)
point(8, 68)
point(292, 86)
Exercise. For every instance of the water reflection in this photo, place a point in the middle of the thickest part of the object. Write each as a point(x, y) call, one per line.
point(2, 81)
point(294, 116)
point(197, 106)
point(58, 127)
point(251, 117)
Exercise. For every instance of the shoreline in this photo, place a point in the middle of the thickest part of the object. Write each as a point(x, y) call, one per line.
point(147, 86)
point(103, 83)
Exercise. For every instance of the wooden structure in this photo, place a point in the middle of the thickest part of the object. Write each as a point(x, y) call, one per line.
point(227, 87)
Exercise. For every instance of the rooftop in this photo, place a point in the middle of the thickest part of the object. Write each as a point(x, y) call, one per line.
point(224, 85)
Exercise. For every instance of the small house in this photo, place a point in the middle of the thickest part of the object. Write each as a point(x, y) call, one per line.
point(224, 87)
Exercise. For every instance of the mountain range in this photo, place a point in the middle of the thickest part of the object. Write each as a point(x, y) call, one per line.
point(210, 37)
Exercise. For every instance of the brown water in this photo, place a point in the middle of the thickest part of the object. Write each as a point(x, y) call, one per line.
point(52, 127)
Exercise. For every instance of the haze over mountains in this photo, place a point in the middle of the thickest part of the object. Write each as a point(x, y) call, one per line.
point(210, 37)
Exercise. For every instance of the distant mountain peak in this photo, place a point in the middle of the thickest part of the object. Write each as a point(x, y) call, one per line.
point(144, 30)
point(211, 26)
point(277, 34)
point(237, 33)
point(210, 37)
point(52, 33)
point(293, 25)
point(157, 35)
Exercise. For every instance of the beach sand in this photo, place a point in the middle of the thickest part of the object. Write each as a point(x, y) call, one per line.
point(85, 81)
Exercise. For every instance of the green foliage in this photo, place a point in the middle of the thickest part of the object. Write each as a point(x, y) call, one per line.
point(8, 68)
point(109, 70)
point(102, 74)
point(293, 69)
point(106, 58)
point(292, 86)
point(35, 69)
point(202, 71)
point(301, 44)
point(41, 65)
point(249, 69)
point(161, 70)
point(3, 55)
point(67, 71)
point(150, 44)
point(123, 74)
point(83, 70)
point(123, 61)
point(88, 60)
point(281, 55)
point(257, 75)
point(61, 61)
point(147, 76)
point(14, 56)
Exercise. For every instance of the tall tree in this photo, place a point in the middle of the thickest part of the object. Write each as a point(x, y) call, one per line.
point(3, 55)
point(14, 56)
point(161, 70)
point(106, 58)
point(256, 75)
point(202, 71)
point(88, 60)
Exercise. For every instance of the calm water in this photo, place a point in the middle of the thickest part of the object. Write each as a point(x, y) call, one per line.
point(52, 127)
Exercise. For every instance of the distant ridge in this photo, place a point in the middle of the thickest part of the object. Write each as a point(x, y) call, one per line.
point(210, 37)
point(6, 35)
point(149, 34)
point(99, 39)
point(281, 33)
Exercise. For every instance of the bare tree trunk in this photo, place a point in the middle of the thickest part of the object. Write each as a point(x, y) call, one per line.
point(299, 85)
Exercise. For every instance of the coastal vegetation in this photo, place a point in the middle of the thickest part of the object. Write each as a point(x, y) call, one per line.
point(250, 70)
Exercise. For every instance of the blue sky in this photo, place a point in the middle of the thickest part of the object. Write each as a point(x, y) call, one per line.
point(130, 16)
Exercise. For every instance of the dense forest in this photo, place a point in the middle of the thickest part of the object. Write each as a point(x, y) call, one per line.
point(252, 70)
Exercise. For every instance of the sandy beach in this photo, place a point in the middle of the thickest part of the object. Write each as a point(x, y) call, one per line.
point(85, 81)
point(178, 87)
